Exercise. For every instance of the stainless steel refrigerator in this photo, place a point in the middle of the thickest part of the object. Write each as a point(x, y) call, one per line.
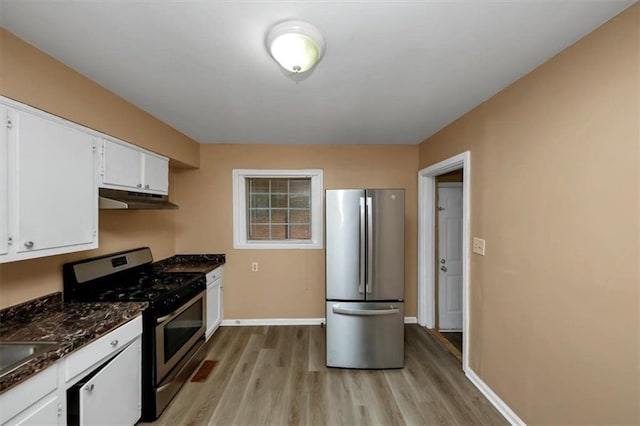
point(365, 278)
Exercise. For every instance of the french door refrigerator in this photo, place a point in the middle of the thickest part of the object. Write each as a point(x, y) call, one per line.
point(365, 278)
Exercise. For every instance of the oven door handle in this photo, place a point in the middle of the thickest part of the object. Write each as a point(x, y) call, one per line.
point(165, 318)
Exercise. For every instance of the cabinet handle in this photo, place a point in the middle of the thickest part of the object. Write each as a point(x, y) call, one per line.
point(114, 342)
point(139, 185)
point(28, 244)
point(89, 388)
point(146, 186)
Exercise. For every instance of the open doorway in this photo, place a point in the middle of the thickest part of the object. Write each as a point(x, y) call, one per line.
point(448, 261)
point(429, 262)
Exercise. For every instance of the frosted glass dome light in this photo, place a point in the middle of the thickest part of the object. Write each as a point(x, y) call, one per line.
point(296, 45)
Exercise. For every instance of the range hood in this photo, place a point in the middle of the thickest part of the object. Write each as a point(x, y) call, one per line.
point(113, 199)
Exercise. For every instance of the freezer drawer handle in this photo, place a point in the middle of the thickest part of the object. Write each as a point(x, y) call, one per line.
point(392, 310)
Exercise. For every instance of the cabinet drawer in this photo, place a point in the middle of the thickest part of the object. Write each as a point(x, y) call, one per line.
point(214, 275)
point(96, 352)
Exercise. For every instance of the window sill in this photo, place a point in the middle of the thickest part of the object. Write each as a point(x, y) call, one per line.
point(270, 245)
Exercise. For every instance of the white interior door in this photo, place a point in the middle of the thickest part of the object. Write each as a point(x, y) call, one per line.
point(450, 257)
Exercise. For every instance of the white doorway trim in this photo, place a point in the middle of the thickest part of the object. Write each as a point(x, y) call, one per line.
point(426, 243)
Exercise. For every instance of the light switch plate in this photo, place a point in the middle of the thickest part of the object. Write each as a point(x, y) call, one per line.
point(478, 246)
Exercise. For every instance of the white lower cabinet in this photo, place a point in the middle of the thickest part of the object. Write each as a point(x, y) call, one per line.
point(91, 386)
point(37, 401)
point(214, 301)
point(104, 379)
point(112, 394)
point(46, 413)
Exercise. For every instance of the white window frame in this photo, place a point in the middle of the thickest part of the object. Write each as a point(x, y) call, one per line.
point(240, 240)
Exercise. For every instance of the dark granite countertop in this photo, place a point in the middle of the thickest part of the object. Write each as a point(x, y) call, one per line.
point(190, 263)
point(73, 325)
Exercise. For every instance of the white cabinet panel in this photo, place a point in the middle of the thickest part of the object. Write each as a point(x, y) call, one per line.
point(45, 413)
point(214, 301)
point(156, 173)
point(54, 181)
point(113, 395)
point(128, 167)
point(19, 402)
point(48, 188)
point(4, 186)
point(121, 165)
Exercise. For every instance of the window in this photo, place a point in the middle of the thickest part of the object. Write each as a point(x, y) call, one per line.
point(277, 209)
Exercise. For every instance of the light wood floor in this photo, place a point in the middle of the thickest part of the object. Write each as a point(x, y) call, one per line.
point(277, 376)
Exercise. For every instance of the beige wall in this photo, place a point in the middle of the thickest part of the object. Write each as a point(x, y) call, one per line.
point(290, 283)
point(28, 75)
point(555, 319)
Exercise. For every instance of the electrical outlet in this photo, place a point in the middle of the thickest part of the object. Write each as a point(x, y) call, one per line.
point(254, 267)
point(478, 246)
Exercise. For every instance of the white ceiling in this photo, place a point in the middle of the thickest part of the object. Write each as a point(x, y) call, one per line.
point(393, 71)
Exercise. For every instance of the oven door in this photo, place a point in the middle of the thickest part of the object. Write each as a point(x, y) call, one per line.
point(177, 332)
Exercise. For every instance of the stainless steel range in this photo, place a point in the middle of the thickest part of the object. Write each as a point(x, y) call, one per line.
point(173, 324)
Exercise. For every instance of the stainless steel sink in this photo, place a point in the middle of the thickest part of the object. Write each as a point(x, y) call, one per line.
point(15, 354)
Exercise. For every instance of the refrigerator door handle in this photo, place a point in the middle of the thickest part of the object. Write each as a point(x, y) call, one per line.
point(369, 243)
point(391, 310)
point(361, 272)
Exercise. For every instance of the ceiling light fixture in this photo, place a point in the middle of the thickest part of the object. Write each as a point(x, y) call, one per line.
point(296, 45)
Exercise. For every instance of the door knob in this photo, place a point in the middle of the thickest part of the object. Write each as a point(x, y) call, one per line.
point(443, 268)
point(443, 261)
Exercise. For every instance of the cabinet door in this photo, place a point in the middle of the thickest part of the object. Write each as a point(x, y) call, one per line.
point(113, 395)
point(46, 413)
point(121, 166)
point(156, 173)
point(55, 193)
point(214, 305)
point(4, 187)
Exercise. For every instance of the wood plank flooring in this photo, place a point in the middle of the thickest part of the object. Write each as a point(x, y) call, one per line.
point(277, 376)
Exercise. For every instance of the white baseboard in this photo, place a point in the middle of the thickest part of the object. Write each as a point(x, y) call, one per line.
point(273, 321)
point(494, 399)
point(288, 321)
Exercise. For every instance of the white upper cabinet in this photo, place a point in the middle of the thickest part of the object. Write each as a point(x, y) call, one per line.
point(4, 187)
point(156, 173)
point(128, 167)
point(121, 166)
point(55, 185)
point(50, 205)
